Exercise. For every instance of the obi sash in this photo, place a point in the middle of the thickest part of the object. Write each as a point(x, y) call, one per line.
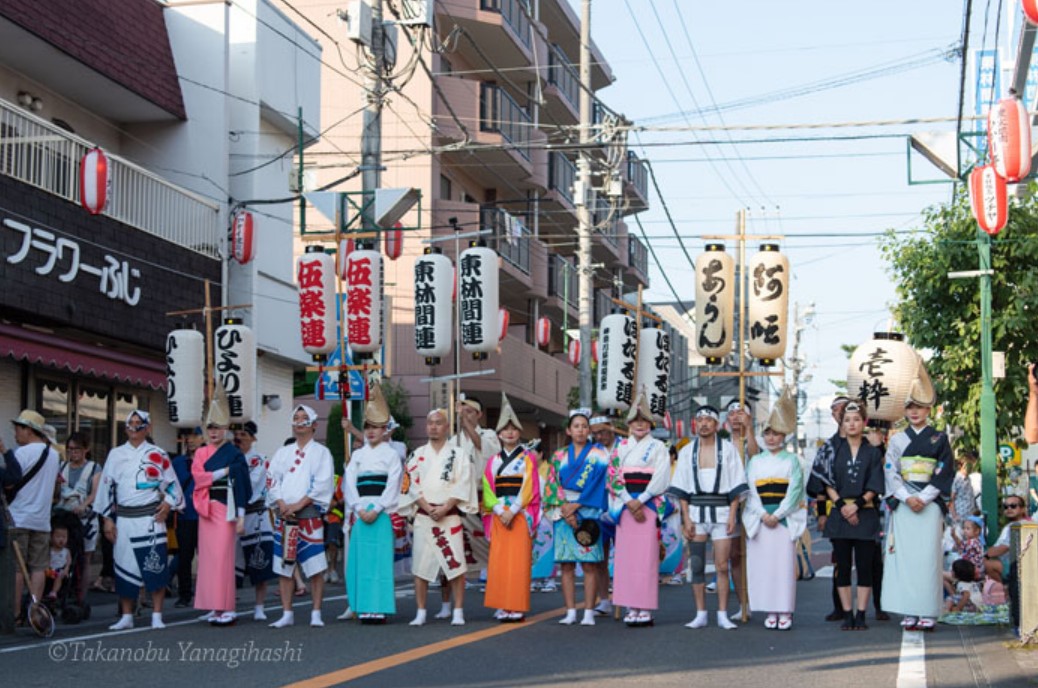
point(917, 470)
point(771, 492)
point(508, 485)
point(708, 501)
point(137, 511)
point(636, 481)
point(372, 484)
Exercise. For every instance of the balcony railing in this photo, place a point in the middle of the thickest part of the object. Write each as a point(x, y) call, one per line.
point(563, 76)
point(602, 306)
point(514, 13)
point(562, 280)
point(562, 172)
point(637, 255)
point(499, 112)
point(638, 174)
point(605, 219)
point(43, 155)
point(510, 238)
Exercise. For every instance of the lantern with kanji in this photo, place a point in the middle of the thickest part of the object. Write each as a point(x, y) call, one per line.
point(880, 374)
point(989, 199)
point(393, 241)
point(433, 282)
point(478, 299)
point(243, 237)
point(616, 345)
point(543, 332)
point(317, 313)
point(185, 377)
point(364, 301)
point(768, 304)
point(573, 352)
point(1009, 139)
point(95, 181)
point(234, 355)
point(654, 368)
point(715, 303)
point(1030, 8)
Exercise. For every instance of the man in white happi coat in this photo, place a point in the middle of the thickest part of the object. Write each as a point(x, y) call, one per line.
point(138, 490)
point(438, 490)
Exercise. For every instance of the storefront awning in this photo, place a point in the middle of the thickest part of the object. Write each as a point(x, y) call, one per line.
point(54, 352)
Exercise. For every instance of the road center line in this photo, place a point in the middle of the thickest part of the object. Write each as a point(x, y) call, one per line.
point(911, 670)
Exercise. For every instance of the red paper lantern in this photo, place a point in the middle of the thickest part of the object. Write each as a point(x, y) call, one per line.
point(243, 237)
point(394, 243)
point(573, 353)
point(364, 301)
point(1009, 139)
point(543, 332)
point(1030, 8)
point(503, 317)
point(94, 181)
point(316, 279)
point(988, 199)
point(680, 428)
point(594, 350)
point(667, 422)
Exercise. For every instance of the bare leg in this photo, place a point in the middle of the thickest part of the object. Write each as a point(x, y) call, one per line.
point(602, 581)
point(735, 559)
point(699, 589)
point(863, 597)
point(317, 590)
point(287, 588)
point(569, 584)
point(845, 597)
point(722, 549)
point(457, 588)
point(157, 598)
point(421, 589)
point(591, 573)
point(261, 592)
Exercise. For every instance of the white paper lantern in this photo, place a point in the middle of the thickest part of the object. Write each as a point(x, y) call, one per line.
point(880, 374)
point(573, 352)
point(478, 299)
point(616, 348)
point(364, 301)
point(185, 377)
point(317, 314)
point(768, 304)
point(654, 369)
point(433, 283)
point(543, 332)
point(715, 303)
point(234, 352)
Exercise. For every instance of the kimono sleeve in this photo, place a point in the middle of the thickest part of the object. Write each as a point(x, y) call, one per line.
point(169, 485)
point(794, 492)
point(390, 497)
point(275, 474)
point(348, 485)
point(735, 474)
point(893, 483)
point(322, 481)
point(463, 484)
point(241, 482)
point(875, 477)
point(410, 491)
point(106, 490)
point(681, 482)
point(490, 500)
point(660, 474)
point(753, 509)
point(554, 496)
point(943, 475)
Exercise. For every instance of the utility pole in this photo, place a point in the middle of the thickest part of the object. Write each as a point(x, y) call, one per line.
point(583, 198)
point(988, 441)
point(801, 319)
point(371, 137)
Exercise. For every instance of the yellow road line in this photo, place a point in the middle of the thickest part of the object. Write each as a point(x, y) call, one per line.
point(343, 675)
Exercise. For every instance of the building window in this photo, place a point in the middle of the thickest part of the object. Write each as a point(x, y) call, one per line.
point(88, 406)
point(446, 188)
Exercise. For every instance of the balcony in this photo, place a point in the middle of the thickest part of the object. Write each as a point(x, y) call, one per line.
point(563, 285)
point(500, 28)
point(47, 157)
point(510, 237)
point(636, 178)
point(637, 260)
point(498, 112)
point(514, 12)
point(563, 91)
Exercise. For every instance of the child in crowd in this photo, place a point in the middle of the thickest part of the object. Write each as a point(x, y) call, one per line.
point(970, 548)
point(967, 590)
point(60, 560)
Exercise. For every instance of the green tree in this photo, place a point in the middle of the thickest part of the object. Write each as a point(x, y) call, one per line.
point(396, 397)
point(943, 314)
point(335, 437)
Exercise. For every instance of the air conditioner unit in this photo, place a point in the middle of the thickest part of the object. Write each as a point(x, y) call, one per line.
point(309, 180)
point(416, 12)
point(358, 22)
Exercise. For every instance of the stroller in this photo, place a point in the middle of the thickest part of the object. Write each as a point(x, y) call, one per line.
point(71, 605)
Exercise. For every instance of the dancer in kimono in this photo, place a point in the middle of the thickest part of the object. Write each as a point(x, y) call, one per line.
point(709, 481)
point(775, 516)
point(920, 470)
point(222, 491)
point(604, 433)
point(299, 489)
point(255, 552)
point(138, 490)
point(639, 472)
point(438, 490)
point(543, 570)
point(853, 482)
point(371, 490)
point(575, 499)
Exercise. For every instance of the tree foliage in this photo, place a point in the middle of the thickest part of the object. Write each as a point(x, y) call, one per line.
point(943, 314)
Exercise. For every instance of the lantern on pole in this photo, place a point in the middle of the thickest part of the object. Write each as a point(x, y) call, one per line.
point(234, 350)
point(880, 374)
point(616, 342)
point(573, 352)
point(394, 242)
point(317, 314)
point(1030, 8)
point(185, 377)
point(433, 284)
point(768, 304)
point(654, 368)
point(243, 237)
point(95, 181)
point(989, 199)
point(364, 301)
point(543, 332)
point(478, 300)
point(715, 303)
point(1009, 139)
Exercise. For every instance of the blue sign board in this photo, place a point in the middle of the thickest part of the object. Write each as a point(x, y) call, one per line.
point(987, 91)
point(327, 384)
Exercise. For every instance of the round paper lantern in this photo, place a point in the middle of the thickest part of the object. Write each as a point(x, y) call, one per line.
point(880, 374)
point(95, 181)
point(433, 285)
point(1030, 8)
point(1009, 139)
point(654, 369)
point(715, 303)
point(679, 428)
point(989, 199)
point(243, 237)
point(315, 275)
point(234, 351)
point(543, 332)
point(364, 301)
point(394, 242)
point(478, 299)
point(503, 317)
point(346, 247)
point(616, 343)
point(667, 422)
point(768, 304)
point(185, 377)
point(573, 352)
point(594, 350)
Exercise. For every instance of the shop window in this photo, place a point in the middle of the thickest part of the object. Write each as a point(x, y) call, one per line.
point(52, 401)
point(92, 415)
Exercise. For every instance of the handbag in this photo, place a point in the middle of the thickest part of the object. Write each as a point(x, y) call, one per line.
point(587, 532)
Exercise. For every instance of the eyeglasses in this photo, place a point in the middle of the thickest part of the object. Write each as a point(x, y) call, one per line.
point(1012, 506)
point(135, 428)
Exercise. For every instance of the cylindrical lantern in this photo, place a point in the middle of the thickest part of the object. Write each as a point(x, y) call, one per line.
point(346, 247)
point(503, 317)
point(478, 299)
point(594, 351)
point(616, 343)
point(654, 368)
point(573, 352)
point(95, 181)
point(667, 422)
point(394, 243)
point(1009, 139)
point(543, 332)
point(715, 303)
point(185, 377)
point(768, 304)
point(243, 238)
point(880, 373)
point(317, 314)
point(1030, 8)
point(988, 199)
point(364, 301)
point(234, 350)
point(679, 428)
point(433, 282)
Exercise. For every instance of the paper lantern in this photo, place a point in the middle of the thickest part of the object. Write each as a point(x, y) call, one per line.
point(317, 313)
point(768, 304)
point(880, 373)
point(1009, 139)
point(394, 243)
point(95, 181)
point(234, 355)
point(185, 378)
point(243, 237)
point(573, 352)
point(616, 343)
point(346, 247)
point(667, 422)
point(364, 301)
point(503, 317)
point(715, 303)
point(654, 369)
point(594, 350)
point(478, 299)
point(1030, 8)
point(433, 282)
point(988, 199)
point(543, 332)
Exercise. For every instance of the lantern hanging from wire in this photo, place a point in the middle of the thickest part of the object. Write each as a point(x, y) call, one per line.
point(768, 272)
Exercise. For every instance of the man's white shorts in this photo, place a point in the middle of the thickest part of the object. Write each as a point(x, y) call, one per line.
point(715, 531)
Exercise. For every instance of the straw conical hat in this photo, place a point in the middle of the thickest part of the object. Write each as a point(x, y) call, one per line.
point(507, 415)
point(640, 408)
point(219, 416)
point(783, 418)
point(376, 411)
point(921, 392)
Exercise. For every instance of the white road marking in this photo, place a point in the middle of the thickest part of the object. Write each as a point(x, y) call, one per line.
point(911, 670)
point(825, 572)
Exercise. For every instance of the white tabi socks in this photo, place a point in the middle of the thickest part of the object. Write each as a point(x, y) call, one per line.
point(258, 614)
point(287, 619)
point(315, 619)
point(589, 618)
point(346, 615)
point(125, 621)
point(445, 611)
point(156, 620)
point(570, 618)
point(698, 622)
point(419, 618)
point(724, 622)
point(459, 617)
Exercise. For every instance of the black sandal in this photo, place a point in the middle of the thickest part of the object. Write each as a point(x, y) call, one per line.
point(848, 622)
